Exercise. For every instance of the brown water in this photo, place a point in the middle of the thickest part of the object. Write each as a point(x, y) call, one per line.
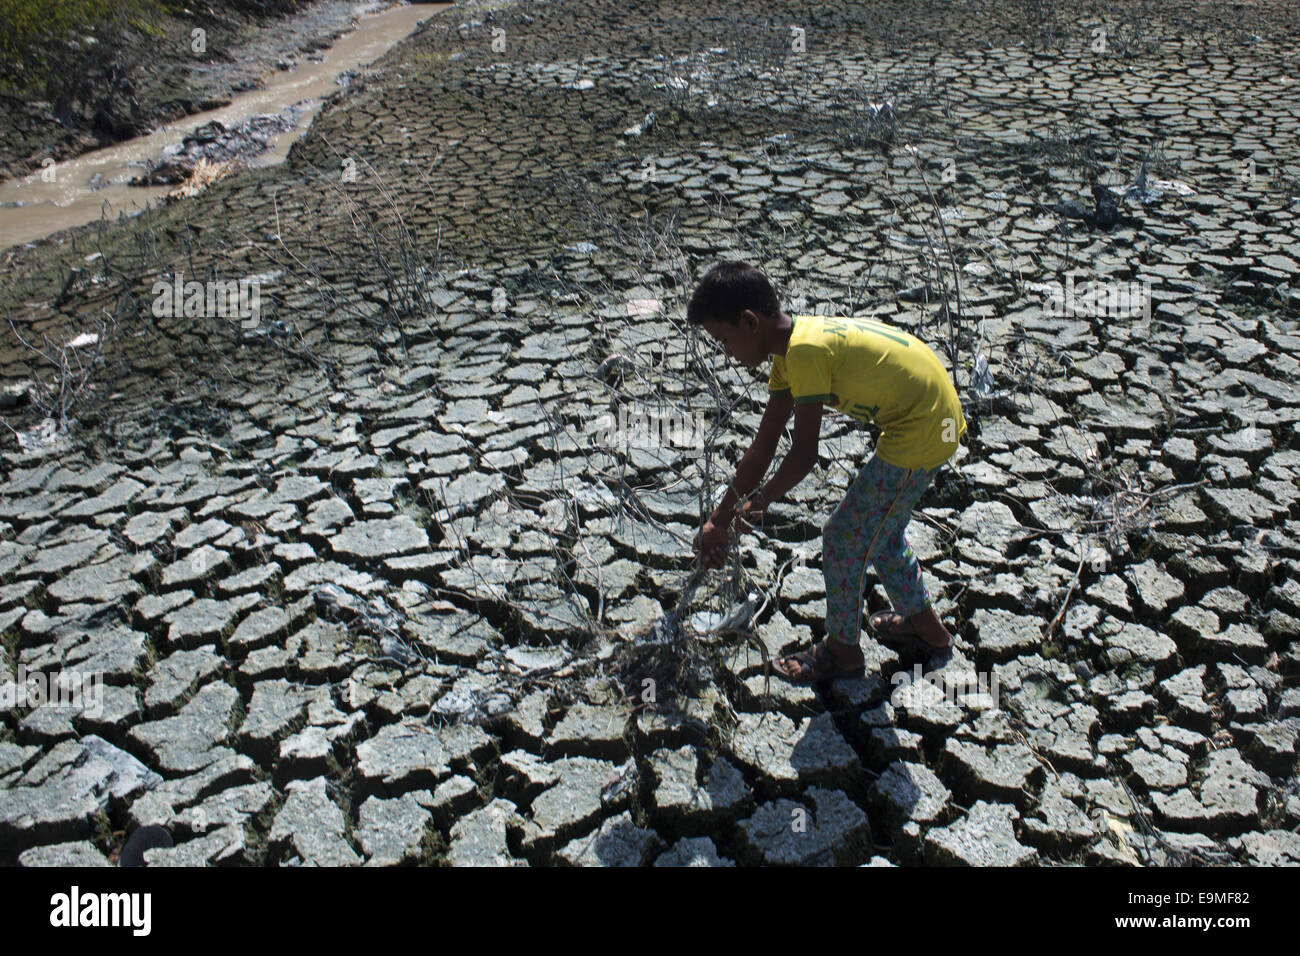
point(32, 208)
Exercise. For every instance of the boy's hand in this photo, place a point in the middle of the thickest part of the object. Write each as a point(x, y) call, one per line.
point(711, 543)
point(751, 514)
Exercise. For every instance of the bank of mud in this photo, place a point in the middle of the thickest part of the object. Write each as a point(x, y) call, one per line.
point(160, 70)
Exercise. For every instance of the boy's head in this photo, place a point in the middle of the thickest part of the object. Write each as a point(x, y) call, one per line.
point(736, 304)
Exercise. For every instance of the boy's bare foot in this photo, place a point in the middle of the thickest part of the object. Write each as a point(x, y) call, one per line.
point(891, 623)
point(825, 661)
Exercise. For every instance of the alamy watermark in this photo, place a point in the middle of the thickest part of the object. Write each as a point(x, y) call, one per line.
point(215, 298)
point(915, 691)
point(652, 430)
point(1117, 300)
point(84, 692)
point(132, 910)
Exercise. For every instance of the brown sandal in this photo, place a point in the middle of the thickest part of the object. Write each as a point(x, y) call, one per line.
point(903, 640)
point(816, 665)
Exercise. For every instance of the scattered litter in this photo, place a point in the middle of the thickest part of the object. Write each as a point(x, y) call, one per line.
point(82, 340)
point(1118, 830)
point(1153, 191)
point(374, 618)
point(668, 629)
point(618, 782)
point(274, 329)
point(739, 616)
point(705, 621)
point(640, 127)
point(613, 368)
point(981, 378)
point(44, 435)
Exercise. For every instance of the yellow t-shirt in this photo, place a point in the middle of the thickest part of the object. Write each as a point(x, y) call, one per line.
point(878, 373)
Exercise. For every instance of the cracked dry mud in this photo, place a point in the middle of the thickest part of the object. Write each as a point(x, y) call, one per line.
point(365, 587)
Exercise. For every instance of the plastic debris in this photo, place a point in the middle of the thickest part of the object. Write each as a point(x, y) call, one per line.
point(640, 127)
point(1147, 192)
point(981, 378)
point(44, 435)
point(618, 782)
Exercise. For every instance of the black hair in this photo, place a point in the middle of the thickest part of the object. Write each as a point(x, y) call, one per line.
point(727, 290)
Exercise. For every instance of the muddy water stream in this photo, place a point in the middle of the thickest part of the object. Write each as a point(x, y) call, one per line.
point(95, 184)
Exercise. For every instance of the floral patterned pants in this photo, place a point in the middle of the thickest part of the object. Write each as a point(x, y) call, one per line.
point(868, 526)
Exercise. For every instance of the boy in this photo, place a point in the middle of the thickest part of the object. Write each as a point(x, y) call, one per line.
point(872, 372)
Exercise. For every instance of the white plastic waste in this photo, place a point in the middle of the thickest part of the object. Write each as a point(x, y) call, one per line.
point(981, 378)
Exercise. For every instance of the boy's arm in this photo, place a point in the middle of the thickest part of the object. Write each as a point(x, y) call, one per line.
point(754, 464)
point(799, 460)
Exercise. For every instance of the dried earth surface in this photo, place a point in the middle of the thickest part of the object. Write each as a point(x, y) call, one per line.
point(367, 583)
